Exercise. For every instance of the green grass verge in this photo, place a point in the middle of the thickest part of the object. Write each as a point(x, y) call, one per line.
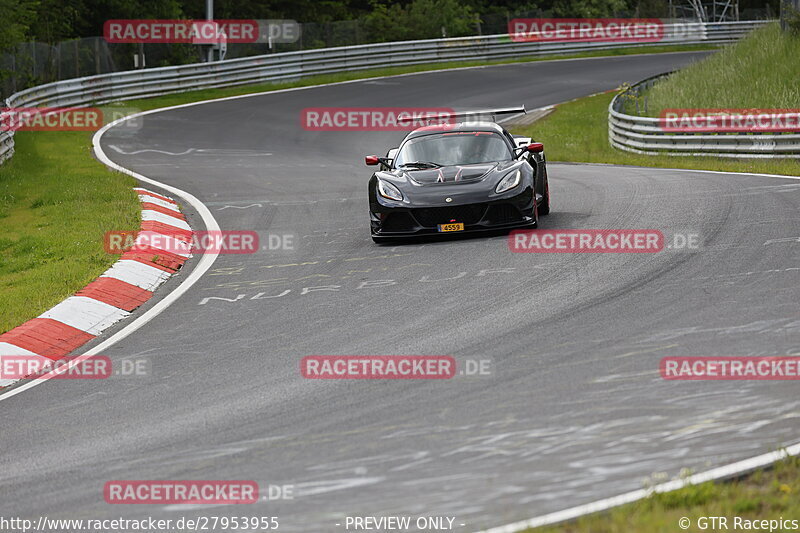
point(761, 71)
point(56, 201)
point(578, 132)
point(763, 495)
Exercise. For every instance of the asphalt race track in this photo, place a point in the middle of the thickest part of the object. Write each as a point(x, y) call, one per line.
point(574, 409)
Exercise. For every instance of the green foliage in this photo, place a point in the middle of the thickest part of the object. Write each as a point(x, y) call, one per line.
point(56, 20)
point(52, 21)
point(690, 496)
point(791, 17)
point(760, 71)
point(652, 9)
point(421, 19)
point(94, 13)
point(746, 505)
point(17, 16)
point(588, 8)
point(56, 202)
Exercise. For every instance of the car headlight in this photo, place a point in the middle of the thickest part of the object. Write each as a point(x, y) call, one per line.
point(387, 190)
point(508, 182)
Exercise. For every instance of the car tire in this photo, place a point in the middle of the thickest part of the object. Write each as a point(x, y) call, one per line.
point(544, 206)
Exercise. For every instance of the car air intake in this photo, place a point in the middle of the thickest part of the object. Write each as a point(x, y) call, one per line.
point(503, 214)
point(431, 216)
point(398, 222)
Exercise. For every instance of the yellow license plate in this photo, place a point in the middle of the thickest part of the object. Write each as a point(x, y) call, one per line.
point(453, 226)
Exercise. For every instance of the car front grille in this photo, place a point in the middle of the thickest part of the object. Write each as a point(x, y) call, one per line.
point(432, 216)
point(396, 222)
point(503, 214)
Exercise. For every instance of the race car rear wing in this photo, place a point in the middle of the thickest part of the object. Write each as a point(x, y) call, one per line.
point(480, 114)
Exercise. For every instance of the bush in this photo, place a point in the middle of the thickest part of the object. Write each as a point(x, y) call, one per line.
point(589, 8)
point(421, 19)
point(791, 18)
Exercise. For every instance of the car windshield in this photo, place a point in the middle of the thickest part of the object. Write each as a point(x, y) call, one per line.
point(453, 148)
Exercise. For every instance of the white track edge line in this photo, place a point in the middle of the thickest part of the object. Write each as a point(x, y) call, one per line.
point(715, 474)
point(205, 263)
point(759, 174)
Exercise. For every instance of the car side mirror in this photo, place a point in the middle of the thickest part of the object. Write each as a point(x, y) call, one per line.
point(373, 160)
point(536, 148)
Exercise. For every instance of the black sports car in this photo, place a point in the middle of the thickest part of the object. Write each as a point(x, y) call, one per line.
point(465, 177)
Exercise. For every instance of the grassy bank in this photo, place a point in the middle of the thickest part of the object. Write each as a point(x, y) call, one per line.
point(578, 131)
point(56, 201)
point(763, 495)
point(761, 71)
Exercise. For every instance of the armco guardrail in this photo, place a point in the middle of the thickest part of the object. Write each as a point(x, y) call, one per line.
point(294, 65)
point(645, 135)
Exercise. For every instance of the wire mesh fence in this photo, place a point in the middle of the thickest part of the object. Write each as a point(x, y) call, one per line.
point(30, 64)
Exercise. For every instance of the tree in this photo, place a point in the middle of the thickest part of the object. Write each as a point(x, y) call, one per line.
point(421, 19)
point(17, 18)
point(589, 8)
point(790, 16)
point(56, 20)
point(652, 9)
point(96, 12)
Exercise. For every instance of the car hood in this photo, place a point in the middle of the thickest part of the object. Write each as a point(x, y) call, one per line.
point(454, 174)
point(475, 184)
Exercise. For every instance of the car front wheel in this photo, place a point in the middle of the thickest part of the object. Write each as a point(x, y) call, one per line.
point(544, 205)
